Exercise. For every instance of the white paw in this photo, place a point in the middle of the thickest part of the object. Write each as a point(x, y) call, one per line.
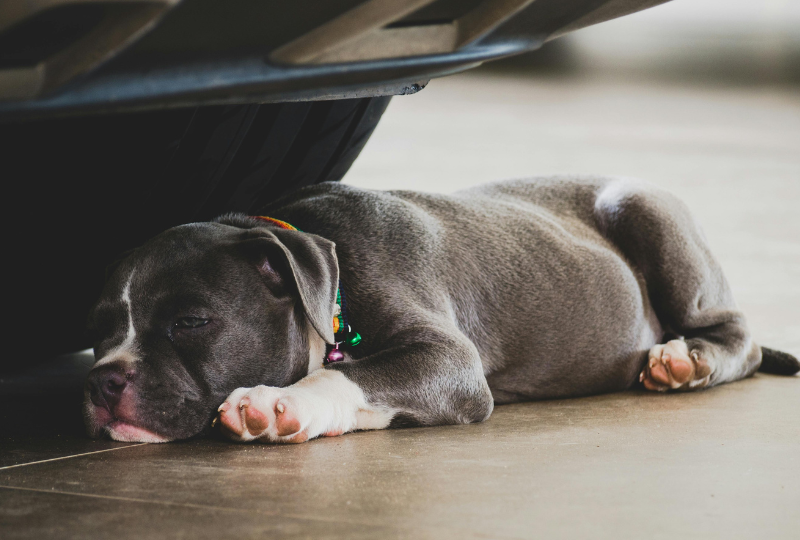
point(324, 403)
point(673, 366)
point(268, 414)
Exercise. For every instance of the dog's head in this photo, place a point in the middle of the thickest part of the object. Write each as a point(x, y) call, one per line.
point(199, 311)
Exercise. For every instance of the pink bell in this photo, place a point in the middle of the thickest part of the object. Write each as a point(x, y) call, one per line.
point(335, 355)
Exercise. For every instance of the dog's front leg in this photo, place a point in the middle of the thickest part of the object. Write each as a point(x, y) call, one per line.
point(429, 383)
point(323, 403)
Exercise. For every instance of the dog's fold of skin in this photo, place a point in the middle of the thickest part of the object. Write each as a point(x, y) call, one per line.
point(522, 290)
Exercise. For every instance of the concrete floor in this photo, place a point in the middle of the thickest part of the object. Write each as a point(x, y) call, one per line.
point(723, 463)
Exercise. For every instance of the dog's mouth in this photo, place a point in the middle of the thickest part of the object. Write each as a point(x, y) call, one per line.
point(122, 431)
point(101, 422)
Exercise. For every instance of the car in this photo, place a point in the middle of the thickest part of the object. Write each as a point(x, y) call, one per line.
point(119, 119)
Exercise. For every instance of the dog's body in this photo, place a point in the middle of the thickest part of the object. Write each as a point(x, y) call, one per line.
point(514, 291)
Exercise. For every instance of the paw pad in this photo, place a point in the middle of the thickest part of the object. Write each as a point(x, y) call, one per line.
point(255, 420)
point(285, 421)
point(671, 366)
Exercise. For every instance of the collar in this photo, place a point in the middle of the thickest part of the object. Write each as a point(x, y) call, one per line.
point(342, 331)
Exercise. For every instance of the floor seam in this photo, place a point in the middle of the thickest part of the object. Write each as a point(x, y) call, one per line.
point(196, 506)
point(70, 456)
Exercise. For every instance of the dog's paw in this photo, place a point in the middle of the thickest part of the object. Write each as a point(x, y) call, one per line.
point(267, 414)
point(325, 403)
point(673, 367)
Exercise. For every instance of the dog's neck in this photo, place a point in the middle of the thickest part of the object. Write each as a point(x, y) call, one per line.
point(316, 349)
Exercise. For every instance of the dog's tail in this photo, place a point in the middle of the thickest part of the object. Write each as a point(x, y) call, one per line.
point(777, 362)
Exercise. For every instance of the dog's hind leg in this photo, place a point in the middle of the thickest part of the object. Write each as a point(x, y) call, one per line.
point(688, 291)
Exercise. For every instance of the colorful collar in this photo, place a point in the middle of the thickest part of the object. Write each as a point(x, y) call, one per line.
point(342, 332)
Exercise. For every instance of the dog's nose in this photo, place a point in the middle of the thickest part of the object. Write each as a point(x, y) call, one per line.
point(106, 385)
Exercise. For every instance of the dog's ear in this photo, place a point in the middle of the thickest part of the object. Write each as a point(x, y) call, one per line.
point(310, 261)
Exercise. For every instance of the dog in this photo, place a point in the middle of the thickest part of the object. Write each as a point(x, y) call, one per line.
point(524, 290)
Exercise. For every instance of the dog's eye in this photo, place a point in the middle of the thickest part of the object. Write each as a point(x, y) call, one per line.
point(190, 322)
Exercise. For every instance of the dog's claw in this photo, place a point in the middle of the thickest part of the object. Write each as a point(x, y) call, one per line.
point(280, 407)
point(214, 421)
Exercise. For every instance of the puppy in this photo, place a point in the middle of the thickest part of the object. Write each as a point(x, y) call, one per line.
point(390, 309)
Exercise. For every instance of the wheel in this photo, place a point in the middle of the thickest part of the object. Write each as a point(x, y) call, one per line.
point(83, 190)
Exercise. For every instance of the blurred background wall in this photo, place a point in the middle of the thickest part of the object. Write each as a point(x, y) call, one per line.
point(715, 41)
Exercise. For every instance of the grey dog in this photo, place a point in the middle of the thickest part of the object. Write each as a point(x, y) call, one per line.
point(513, 291)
